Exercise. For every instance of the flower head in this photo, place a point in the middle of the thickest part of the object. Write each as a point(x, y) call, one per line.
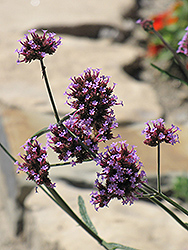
point(66, 146)
point(147, 24)
point(121, 176)
point(183, 44)
point(38, 46)
point(35, 164)
point(158, 133)
point(90, 95)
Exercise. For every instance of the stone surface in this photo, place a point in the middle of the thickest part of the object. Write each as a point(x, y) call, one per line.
point(142, 226)
point(10, 212)
point(174, 158)
point(32, 91)
point(25, 108)
point(74, 56)
point(9, 186)
point(37, 227)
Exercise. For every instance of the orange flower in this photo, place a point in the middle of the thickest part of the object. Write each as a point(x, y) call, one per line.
point(164, 19)
point(153, 49)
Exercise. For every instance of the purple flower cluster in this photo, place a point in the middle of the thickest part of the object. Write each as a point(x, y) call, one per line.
point(183, 44)
point(67, 146)
point(121, 176)
point(35, 164)
point(158, 133)
point(38, 46)
point(93, 99)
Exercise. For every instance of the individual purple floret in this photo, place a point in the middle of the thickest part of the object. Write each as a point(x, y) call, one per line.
point(157, 133)
point(121, 176)
point(35, 164)
point(38, 46)
point(183, 44)
point(90, 95)
point(66, 146)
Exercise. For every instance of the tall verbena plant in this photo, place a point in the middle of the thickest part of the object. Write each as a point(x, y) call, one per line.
point(75, 138)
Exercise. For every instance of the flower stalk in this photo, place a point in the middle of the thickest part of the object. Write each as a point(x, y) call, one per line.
point(77, 136)
point(163, 196)
point(70, 212)
point(147, 25)
point(49, 91)
point(158, 168)
point(61, 203)
point(176, 57)
point(173, 215)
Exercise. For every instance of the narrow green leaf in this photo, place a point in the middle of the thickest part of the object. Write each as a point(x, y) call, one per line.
point(41, 132)
point(113, 246)
point(168, 74)
point(83, 213)
point(45, 130)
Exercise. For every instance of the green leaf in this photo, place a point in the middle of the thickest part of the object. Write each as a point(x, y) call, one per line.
point(83, 213)
point(45, 130)
point(113, 246)
point(41, 132)
point(167, 73)
point(86, 219)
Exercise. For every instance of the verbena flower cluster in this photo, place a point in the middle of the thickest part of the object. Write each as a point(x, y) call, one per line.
point(121, 176)
point(183, 44)
point(67, 146)
point(35, 164)
point(158, 133)
point(90, 95)
point(38, 46)
point(92, 121)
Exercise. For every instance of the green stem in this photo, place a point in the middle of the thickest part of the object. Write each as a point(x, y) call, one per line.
point(163, 196)
point(46, 130)
point(177, 58)
point(70, 212)
point(49, 90)
point(60, 202)
point(168, 74)
point(49, 195)
point(173, 215)
point(159, 168)
point(6, 151)
point(150, 188)
point(174, 203)
point(65, 163)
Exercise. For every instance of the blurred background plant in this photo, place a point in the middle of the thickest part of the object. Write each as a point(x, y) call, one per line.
point(171, 24)
point(180, 188)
